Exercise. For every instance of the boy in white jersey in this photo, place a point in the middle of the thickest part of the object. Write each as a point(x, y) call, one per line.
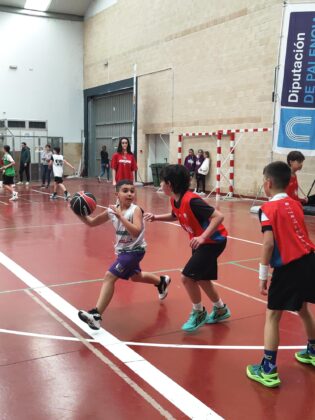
point(130, 247)
point(57, 162)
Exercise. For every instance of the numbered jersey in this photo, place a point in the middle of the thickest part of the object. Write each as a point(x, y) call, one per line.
point(57, 165)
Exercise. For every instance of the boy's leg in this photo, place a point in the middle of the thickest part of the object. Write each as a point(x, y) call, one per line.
point(54, 194)
point(220, 310)
point(43, 174)
point(308, 355)
point(27, 172)
point(198, 316)
point(93, 317)
point(266, 372)
point(203, 181)
point(107, 170)
point(48, 175)
point(21, 172)
point(162, 283)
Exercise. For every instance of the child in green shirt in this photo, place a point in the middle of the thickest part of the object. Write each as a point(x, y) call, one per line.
point(8, 173)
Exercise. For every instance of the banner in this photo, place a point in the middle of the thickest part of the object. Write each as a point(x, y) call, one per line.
point(295, 106)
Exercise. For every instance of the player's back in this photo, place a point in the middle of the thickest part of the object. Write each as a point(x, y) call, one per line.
point(285, 216)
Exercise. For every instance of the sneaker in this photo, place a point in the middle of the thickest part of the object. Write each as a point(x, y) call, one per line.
point(196, 320)
point(163, 286)
point(92, 318)
point(19, 183)
point(14, 197)
point(215, 317)
point(99, 179)
point(67, 196)
point(305, 356)
point(202, 194)
point(27, 183)
point(53, 197)
point(42, 186)
point(257, 373)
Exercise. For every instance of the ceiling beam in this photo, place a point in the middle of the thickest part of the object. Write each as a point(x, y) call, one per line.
point(49, 15)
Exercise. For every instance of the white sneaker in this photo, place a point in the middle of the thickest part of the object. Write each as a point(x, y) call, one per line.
point(92, 318)
point(27, 183)
point(14, 197)
point(202, 194)
point(19, 183)
point(163, 286)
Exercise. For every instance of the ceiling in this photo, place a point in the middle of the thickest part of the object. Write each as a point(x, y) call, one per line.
point(73, 7)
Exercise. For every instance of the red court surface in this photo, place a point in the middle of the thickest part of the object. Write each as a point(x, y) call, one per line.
point(141, 365)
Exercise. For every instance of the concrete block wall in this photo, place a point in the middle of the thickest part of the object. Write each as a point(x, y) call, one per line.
point(202, 65)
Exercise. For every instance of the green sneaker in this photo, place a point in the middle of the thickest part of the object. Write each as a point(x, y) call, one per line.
point(196, 320)
point(305, 356)
point(256, 373)
point(215, 317)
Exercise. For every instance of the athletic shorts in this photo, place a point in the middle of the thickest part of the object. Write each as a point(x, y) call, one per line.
point(203, 264)
point(8, 180)
point(293, 284)
point(58, 180)
point(127, 265)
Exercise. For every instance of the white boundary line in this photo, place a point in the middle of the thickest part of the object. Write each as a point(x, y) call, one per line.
point(169, 389)
point(230, 237)
point(142, 344)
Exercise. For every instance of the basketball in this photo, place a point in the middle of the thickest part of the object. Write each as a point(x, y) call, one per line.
point(83, 203)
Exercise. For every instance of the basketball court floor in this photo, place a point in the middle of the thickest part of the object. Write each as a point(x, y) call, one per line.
point(140, 365)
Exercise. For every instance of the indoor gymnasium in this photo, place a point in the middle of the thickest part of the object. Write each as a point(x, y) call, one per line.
point(157, 209)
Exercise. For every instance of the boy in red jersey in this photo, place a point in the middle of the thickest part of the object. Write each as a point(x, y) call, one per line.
point(295, 160)
point(289, 250)
point(208, 239)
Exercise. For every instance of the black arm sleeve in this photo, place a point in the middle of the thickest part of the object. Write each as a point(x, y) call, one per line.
point(201, 209)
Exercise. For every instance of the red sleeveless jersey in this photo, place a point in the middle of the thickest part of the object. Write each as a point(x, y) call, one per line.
point(191, 224)
point(290, 234)
point(293, 188)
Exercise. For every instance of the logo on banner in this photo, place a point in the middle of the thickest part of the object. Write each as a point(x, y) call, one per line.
point(297, 129)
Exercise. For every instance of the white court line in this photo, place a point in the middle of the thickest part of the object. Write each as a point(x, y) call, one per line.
point(230, 237)
point(3, 202)
point(142, 344)
point(169, 389)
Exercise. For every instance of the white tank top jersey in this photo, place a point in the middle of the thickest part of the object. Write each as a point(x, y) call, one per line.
point(124, 241)
point(57, 165)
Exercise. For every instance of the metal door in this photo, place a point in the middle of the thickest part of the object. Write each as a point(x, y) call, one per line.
point(110, 117)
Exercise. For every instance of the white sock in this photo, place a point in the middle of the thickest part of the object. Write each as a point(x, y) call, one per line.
point(197, 306)
point(219, 304)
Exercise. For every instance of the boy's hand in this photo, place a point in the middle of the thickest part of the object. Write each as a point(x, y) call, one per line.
point(196, 242)
point(149, 217)
point(116, 211)
point(263, 287)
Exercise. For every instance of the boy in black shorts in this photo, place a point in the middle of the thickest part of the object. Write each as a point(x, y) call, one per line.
point(57, 162)
point(208, 239)
point(289, 250)
point(8, 173)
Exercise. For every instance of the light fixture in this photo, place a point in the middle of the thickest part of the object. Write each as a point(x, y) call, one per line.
point(41, 5)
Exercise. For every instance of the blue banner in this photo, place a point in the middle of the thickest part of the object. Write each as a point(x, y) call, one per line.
point(295, 116)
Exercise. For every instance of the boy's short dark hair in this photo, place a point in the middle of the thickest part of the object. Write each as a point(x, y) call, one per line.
point(7, 148)
point(57, 150)
point(123, 182)
point(178, 176)
point(295, 155)
point(279, 172)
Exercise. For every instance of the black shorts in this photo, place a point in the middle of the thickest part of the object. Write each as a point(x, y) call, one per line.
point(8, 180)
point(58, 179)
point(293, 284)
point(203, 264)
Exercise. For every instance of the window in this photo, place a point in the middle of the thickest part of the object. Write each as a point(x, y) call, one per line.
point(37, 124)
point(16, 124)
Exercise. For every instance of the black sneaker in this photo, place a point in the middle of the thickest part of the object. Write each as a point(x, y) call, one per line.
point(92, 318)
point(163, 286)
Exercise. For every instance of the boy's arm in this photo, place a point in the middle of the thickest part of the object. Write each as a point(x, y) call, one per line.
point(69, 164)
point(268, 245)
point(135, 227)
point(95, 221)
point(114, 176)
point(215, 220)
point(12, 163)
point(167, 217)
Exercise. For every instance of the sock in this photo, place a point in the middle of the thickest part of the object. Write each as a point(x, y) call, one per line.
point(66, 192)
point(197, 306)
point(219, 304)
point(94, 311)
point(269, 360)
point(55, 193)
point(311, 347)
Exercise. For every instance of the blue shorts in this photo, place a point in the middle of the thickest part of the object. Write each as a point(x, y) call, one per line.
point(127, 265)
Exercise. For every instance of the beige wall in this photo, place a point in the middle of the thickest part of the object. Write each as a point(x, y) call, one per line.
point(202, 65)
point(72, 153)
